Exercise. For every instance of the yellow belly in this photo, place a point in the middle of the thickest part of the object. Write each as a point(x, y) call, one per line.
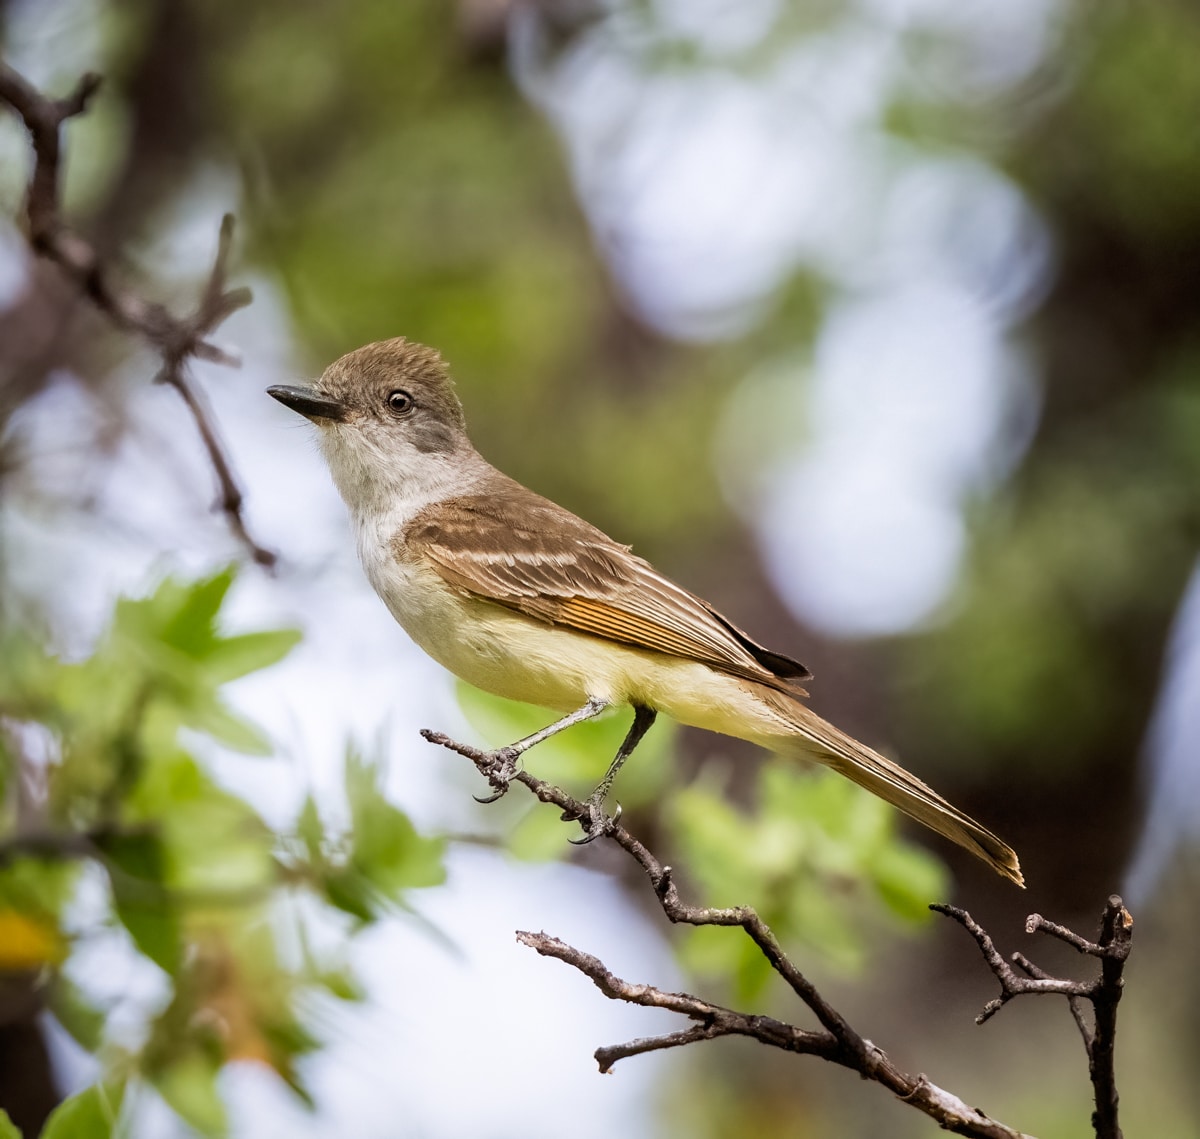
point(520, 658)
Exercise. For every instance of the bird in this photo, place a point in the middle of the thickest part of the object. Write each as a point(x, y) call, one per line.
point(522, 598)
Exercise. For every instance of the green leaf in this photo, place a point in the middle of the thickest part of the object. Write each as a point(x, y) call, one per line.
point(190, 1088)
point(352, 894)
point(168, 645)
point(342, 984)
point(190, 627)
point(90, 1114)
point(233, 657)
point(8, 1129)
point(137, 871)
point(38, 887)
point(311, 831)
point(75, 1013)
point(28, 676)
point(906, 877)
point(387, 849)
point(178, 796)
point(381, 855)
point(226, 727)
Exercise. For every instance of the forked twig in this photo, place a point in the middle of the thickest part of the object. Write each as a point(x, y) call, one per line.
point(176, 339)
point(1103, 991)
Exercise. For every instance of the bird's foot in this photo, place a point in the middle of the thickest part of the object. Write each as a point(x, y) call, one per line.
point(504, 767)
point(596, 824)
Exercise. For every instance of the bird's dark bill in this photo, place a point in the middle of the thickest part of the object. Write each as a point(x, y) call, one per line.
point(308, 403)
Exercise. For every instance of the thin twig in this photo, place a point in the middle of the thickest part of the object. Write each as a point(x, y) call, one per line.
point(1011, 983)
point(608, 1056)
point(714, 1020)
point(177, 339)
point(838, 1043)
point(1035, 923)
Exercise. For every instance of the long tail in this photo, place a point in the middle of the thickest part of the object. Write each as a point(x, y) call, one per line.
point(817, 739)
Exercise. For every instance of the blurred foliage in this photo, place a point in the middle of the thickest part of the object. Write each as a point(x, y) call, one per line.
point(90, 1114)
point(814, 858)
point(197, 881)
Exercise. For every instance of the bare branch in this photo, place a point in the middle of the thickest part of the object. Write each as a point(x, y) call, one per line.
point(606, 1057)
point(838, 1043)
point(715, 1020)
point(176, 339)
point(1116, 939)
point(1104, 992)
point(1035, 923)
point(1011, 984)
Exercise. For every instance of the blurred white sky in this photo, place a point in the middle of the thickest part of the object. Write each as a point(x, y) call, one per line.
point(705, 191)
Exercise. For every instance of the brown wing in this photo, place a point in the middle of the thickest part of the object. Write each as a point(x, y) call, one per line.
point(522, 551)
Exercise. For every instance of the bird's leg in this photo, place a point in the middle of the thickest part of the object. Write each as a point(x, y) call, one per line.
point(597, 822)
point(505, 765)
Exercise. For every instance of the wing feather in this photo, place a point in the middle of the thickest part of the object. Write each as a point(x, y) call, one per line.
point(522, 551)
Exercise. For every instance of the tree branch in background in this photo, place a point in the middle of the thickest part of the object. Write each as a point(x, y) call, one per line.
point(176, 339)
point(1104, 991)
point(835, 1041)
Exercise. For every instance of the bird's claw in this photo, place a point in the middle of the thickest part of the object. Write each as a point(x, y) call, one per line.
point(506, 763)
point(596, 824)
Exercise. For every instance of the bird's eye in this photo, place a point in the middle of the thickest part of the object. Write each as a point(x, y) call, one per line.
point(400, 402)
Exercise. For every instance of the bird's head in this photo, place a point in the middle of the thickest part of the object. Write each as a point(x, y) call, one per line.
point(388, 418)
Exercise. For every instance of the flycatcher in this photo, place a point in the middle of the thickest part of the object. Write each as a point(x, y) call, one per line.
point(523, 599)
